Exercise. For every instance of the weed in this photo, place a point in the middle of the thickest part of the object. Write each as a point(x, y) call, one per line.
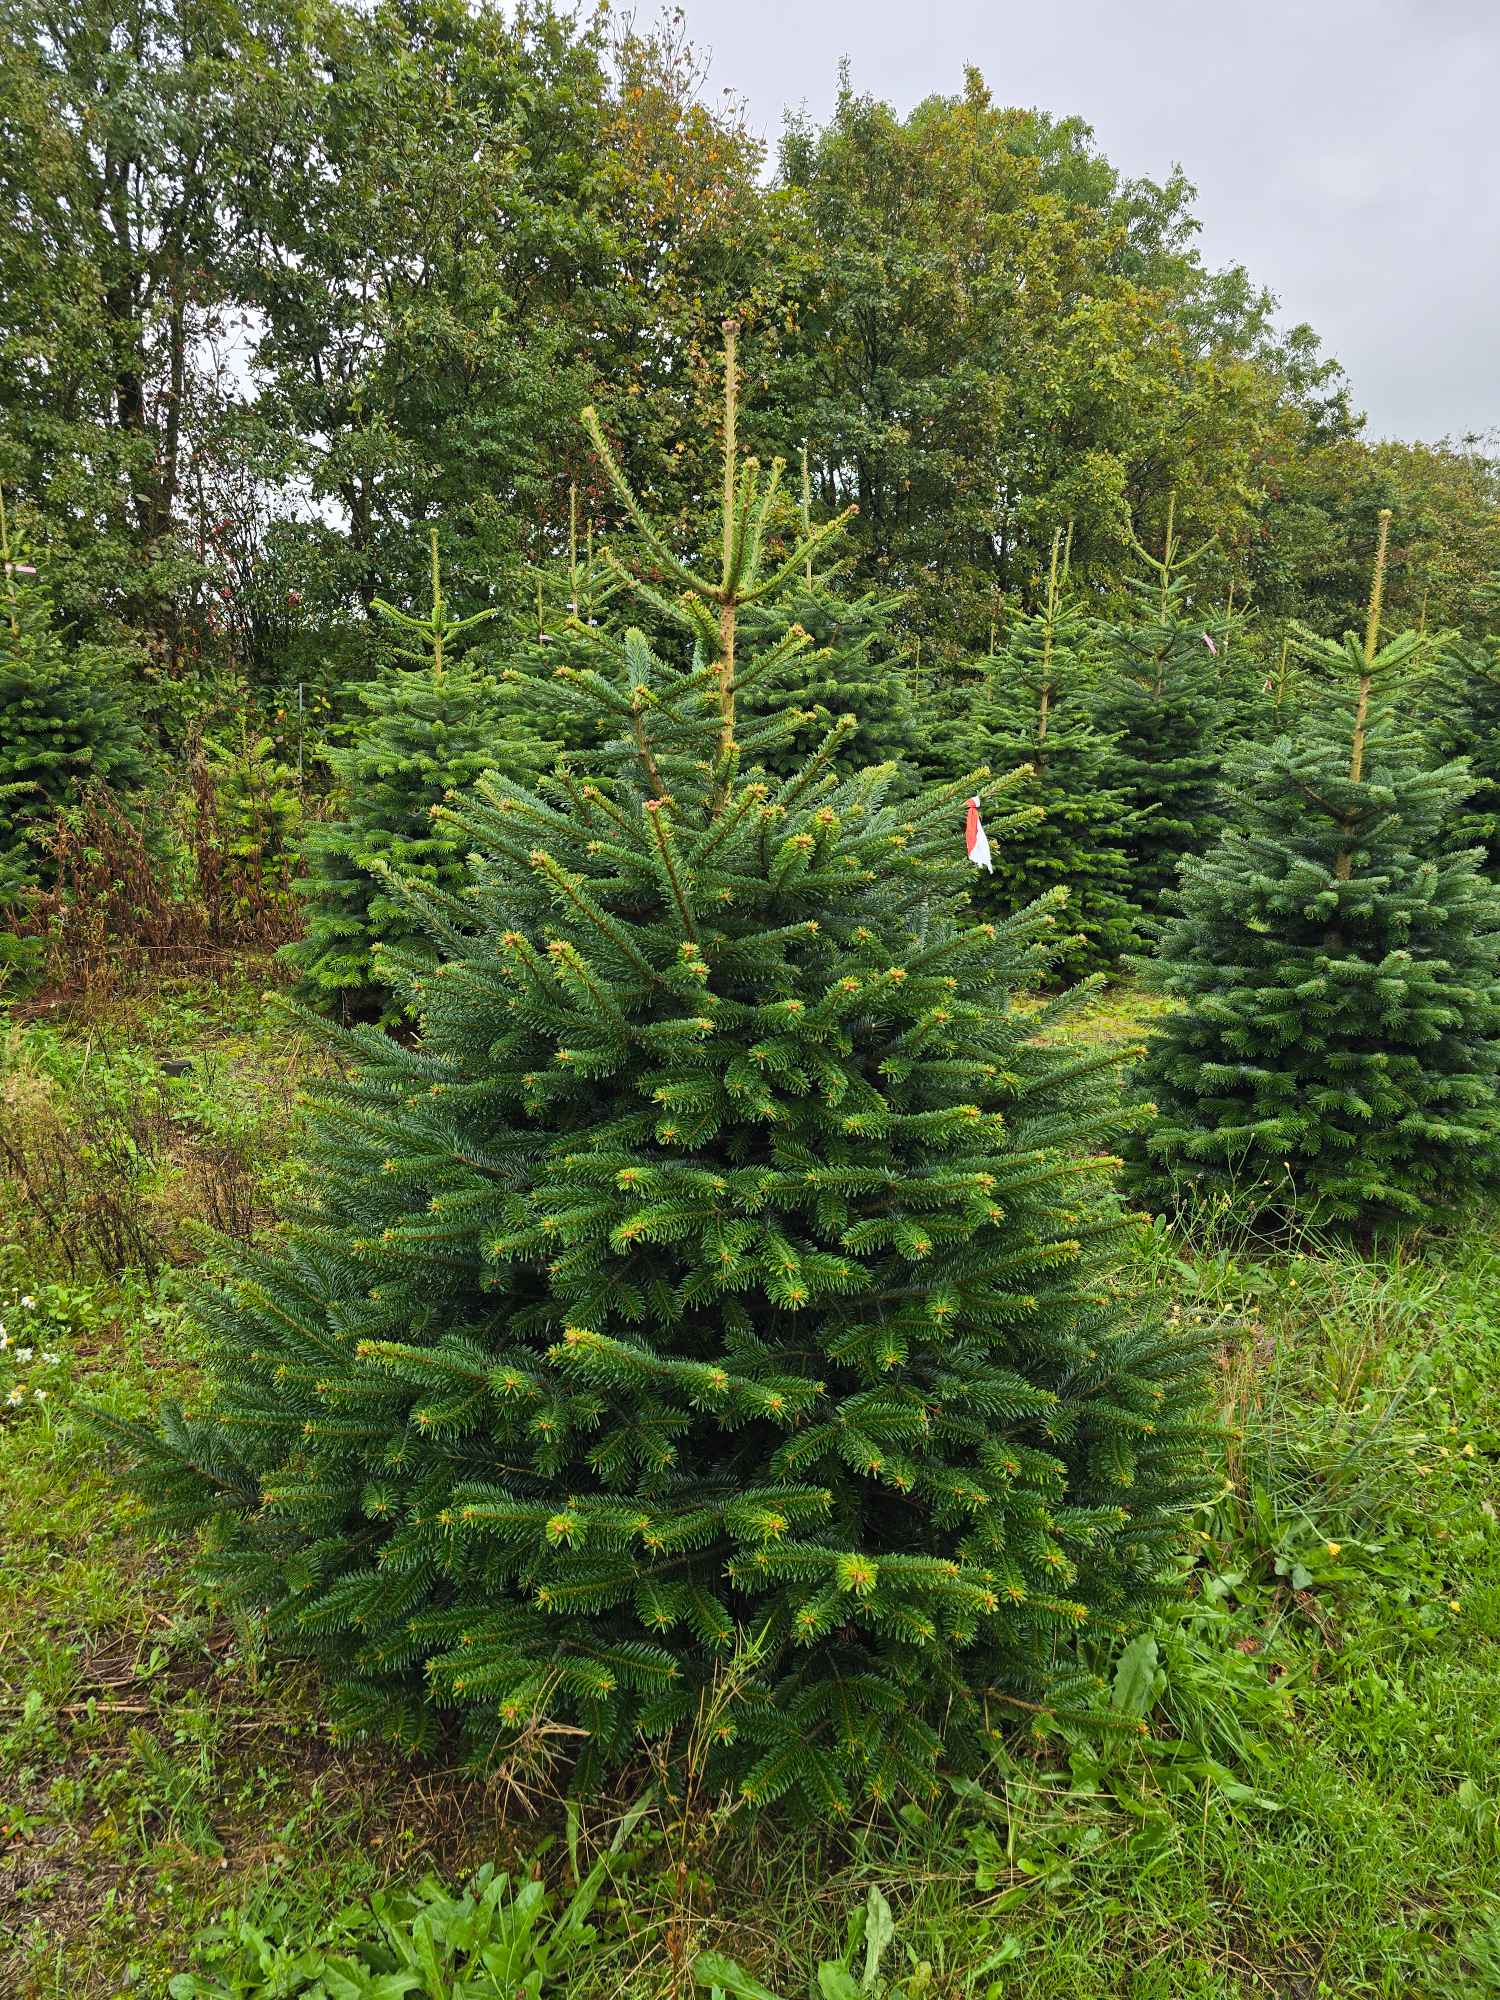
point(495, 1940)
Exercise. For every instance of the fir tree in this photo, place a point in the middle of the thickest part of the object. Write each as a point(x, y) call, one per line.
point(712, 1327)
point(434, 724)
point(853, 667)
point(1032, 709)
point(565, 613)
point(1460, 706)
point(1163, 709)
point(66, 719)
point(1337, 1058)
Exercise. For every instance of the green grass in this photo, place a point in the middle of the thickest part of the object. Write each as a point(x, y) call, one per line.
point(1314, 1812)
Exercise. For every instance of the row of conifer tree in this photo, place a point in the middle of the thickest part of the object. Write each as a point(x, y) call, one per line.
point(1123, 748)
point(710, 1330)
point(1150, 789)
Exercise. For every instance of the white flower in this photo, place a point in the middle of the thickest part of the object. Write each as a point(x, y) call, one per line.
point(4, 1339)
point(17, 1392)
point(27, 1300)
point(40, 1394)
point(23, 1355)
point(50, 1359)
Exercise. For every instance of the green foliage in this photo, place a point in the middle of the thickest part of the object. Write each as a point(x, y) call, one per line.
point(1311, 561)
point(253, 803)
point(1459, 706)
point(494, 1940)
point(1162, 706)
point(440, 229)
point(854, 1975)
point(34, 1336)
point(110, 1155)
point(1338, 1051)
point(431, 728)
point(158, 1771)
point(969, 267)
point(67, 716)
point(1032, 709)
point(709, 1331)
point(852, 668)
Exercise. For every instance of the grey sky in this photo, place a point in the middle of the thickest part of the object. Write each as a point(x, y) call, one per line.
point(1347, 154)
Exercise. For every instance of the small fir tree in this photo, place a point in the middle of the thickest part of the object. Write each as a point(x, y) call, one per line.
point(432, 727)
point(1161, 704)
point(1460, 710)
point(566, 614)
point(66, 718)
point(1032, 709)
point(711, 1330)
point(1337, 1057)
point(853, 667)
point(249, 821)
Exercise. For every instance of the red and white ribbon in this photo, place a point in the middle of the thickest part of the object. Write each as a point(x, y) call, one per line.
point(977, 840)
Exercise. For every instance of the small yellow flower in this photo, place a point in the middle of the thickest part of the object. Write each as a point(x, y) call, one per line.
point(1333, 1548)
point(1454, 1605)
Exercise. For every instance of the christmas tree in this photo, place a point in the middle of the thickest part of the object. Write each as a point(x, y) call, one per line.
point(433, 725)
point(1459, 705)
point(712, 1330)
point(1337, 1058)
point(853, 666)
point(1032, 708)
point(566, 615)
point(66, 718)
point(1162, 706)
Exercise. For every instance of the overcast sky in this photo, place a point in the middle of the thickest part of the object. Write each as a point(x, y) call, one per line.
point(1348, 155)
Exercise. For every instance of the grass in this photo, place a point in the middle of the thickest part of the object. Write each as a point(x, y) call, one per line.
point(1314, 1812)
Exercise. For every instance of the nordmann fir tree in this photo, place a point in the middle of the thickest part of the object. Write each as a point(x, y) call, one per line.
point(570, 608)
point(66, 719)
point(853, 666)
point(1032, 708)
point(1337, 1058)
point(1161, 704)
point(433, 724)
point(1459, 708)
point(717, 1312)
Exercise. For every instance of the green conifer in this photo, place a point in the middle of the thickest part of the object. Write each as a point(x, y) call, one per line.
point(434, 724)
point(66, 718)
point(712, 1329)
point(566, 614)
point(1161, 703)
point(1460, 709)
point(853, 667)
point(1337, 1056)
point(1032, 709)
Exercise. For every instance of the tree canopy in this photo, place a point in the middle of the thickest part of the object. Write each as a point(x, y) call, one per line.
point(284, 285)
